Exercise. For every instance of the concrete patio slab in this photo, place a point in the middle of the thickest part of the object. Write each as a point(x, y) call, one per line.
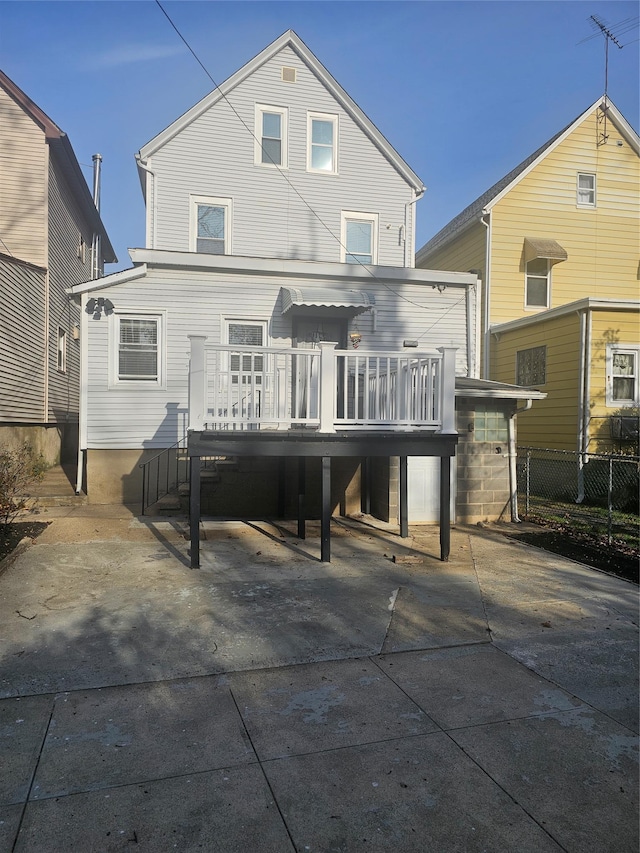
point(415, 794)
point(472, 685)
point(321, 706)
point(231, 810)
point(575, 772)
point(116, 736)
point(23, 725)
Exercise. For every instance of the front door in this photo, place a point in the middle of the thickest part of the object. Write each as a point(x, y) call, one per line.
point(307, 333)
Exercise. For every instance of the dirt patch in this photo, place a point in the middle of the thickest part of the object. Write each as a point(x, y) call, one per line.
point(13, 534)
point(615, 559)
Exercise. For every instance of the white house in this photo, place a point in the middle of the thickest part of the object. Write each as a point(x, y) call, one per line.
point(279, 220)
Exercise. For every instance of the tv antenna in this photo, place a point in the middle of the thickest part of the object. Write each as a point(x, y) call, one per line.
point(608, 37)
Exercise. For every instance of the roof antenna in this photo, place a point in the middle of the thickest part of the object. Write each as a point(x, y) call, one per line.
point(608, 36)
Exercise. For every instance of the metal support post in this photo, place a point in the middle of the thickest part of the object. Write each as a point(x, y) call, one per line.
point(302, 488)
point(445, 508)
point(325, 526)
point(194, 511)
point(404, 498)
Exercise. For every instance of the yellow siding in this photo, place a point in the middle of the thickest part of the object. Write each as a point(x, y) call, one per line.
point(603, 243)
point(551, 422)
point(462, 255)
point(23, 173)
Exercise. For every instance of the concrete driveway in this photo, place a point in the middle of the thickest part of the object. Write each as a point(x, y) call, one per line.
point(271, 702)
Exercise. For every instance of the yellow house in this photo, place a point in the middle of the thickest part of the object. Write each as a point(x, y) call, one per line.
point(556, 244)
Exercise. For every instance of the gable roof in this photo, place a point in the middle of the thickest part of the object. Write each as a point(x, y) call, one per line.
point(61, 148)
point(292, 40)
point(488, 199)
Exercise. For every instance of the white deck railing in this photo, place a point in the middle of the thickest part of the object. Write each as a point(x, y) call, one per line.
point(248, 387)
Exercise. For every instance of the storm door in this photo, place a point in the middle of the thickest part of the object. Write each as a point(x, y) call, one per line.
point(308, 332)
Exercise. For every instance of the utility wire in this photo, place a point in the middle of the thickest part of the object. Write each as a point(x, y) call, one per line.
point(280, 171)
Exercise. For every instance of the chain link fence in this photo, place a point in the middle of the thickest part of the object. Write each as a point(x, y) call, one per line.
point(594, 494)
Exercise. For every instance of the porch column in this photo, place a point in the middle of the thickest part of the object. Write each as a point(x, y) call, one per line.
point(328, 386)
point(197, 383)
point(445, 508)
point(325, 525)
point(194, 510)
point(448, 391)
point(404, 498)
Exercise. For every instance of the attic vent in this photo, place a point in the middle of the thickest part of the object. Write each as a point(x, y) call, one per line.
point(288, 74)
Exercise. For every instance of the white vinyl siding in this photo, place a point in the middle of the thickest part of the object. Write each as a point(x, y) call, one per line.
point(623, 382)
point(198, 302)
point(210, 230)
point(213, 157)
point(322, 143)
point(271, 136)
point(359, 238)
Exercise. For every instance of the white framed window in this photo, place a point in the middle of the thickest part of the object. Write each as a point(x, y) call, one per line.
point(271, 126)
point(137, 349)
point(359, 237)
point(210, 225)
point(531, 366)
point(62, 350)
point(537, 284)
point(622, 375)
point(248, 365)
point(586, 189)
point(322, 143)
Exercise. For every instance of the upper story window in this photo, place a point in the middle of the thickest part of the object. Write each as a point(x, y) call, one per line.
point(538, 283)
point(210, 225)
point(271, 136)
point(322, 143)
point(586, 190)
point(622, 375)
point(359, 238)
point(531, 366)
point(137, 349)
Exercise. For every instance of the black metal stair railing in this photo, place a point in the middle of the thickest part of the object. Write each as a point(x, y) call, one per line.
point(164, 473)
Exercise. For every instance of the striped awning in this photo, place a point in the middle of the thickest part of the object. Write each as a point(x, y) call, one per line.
point(542, 247)
point(346, 301)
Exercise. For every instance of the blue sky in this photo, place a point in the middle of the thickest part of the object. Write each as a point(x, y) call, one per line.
point(463, 90)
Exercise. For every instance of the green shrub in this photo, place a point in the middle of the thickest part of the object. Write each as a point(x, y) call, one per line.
point(19, 468)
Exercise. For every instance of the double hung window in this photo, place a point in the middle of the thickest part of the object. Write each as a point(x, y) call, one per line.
point(359, 238)
point(137, 345)
point(210, 225)
point(271, 136)
point(62, 350)
point(322, 143)
point(622, 376)
point(586, 190)
point(538, 277)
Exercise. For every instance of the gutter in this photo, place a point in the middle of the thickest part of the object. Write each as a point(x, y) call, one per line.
point(486, 336)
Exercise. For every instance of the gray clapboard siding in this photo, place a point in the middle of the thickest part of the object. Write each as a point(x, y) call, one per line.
point(22, 342)
point(214, 156)
point(23, 173)
point(197, 302)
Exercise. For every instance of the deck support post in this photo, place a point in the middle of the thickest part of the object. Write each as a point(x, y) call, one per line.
point(282, 480)
point(365, 485)
point(404, 498)
point(445, 508)
point(325, 525)
point(194, 511)
point(302, 488)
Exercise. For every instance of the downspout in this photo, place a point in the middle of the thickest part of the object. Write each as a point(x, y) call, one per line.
point(513, 455)
point(151, 215)
point(95, 248)
point(410, 257)
point(472, 336)
point(581, 404)
point(47, 292)
point(583, 454)
point(82, 413)
point(486, 337)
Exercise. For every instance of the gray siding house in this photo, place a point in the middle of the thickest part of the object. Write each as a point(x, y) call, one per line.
point(275, 305)
point(49, 228)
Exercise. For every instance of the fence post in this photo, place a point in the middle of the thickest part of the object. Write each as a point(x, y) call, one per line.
point(528, 480)
point(610, 503)
point(328, 385)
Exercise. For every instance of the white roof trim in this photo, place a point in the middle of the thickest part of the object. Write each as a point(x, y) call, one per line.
point(365, 276)
point(588, 304)
point(288, 39)
point(108, 280)
point(623, 126)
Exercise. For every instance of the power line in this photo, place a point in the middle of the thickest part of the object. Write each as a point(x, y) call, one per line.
point(279, 170)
